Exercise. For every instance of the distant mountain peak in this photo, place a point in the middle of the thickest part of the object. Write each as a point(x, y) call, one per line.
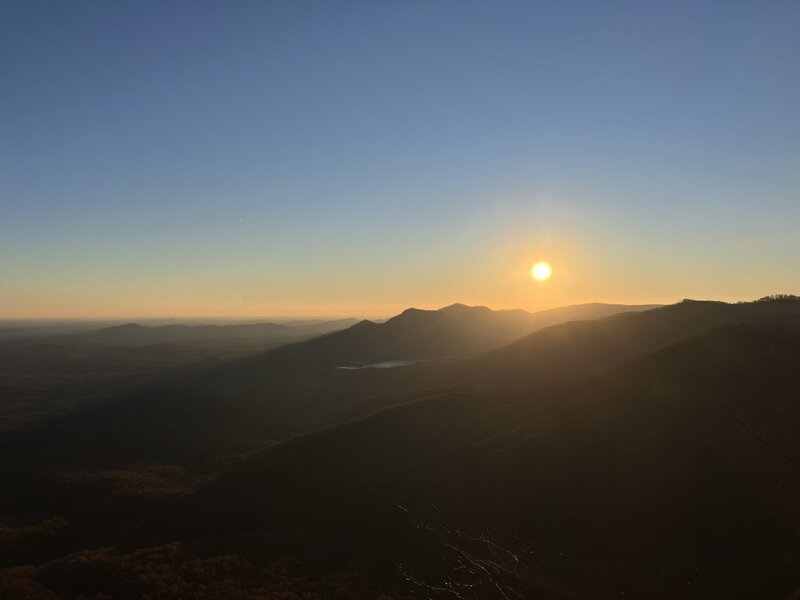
point(364, 324)
point(127, 327)
point(455, 306)
point(458, 307)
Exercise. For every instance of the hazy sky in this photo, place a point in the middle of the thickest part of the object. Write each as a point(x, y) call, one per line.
point(338, 158)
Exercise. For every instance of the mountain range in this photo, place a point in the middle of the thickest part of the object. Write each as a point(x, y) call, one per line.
point(592, 452)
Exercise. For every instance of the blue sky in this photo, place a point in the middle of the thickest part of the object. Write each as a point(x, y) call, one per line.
point(314, 158)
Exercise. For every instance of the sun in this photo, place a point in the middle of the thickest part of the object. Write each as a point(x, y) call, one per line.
point(541, 271)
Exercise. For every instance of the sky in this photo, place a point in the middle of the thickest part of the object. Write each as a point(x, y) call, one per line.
point(297, 158)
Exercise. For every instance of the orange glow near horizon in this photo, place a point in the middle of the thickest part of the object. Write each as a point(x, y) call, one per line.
point(318, 311)
point(498, 275)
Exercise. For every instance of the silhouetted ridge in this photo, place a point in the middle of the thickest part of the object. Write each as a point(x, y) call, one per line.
point(461, 306)
point(410, 314)
point(456, 331)
point(463, 309)
point(778, 298)
point(557, 353)
point(414, 334)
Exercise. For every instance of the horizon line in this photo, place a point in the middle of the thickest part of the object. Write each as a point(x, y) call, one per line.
point(313, 317)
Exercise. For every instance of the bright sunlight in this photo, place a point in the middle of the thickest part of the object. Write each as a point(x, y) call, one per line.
point(541, 271)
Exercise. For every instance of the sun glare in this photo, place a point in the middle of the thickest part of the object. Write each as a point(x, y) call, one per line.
point(541, 271)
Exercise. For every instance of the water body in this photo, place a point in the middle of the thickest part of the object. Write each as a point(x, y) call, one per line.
point(389, 364)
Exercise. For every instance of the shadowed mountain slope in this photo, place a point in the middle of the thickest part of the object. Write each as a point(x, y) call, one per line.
point(221, 408)
point(456, 331)
point(676, 474)
point(250, 403)
point(578, 348)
